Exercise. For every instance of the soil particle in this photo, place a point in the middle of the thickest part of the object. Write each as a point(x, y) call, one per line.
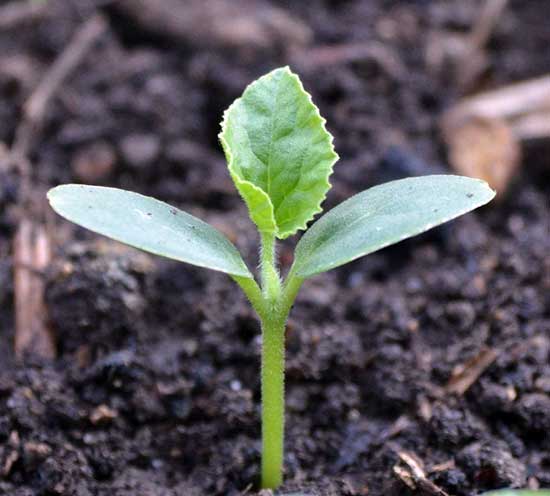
point(455, 426)
point(94, 288)
point(492, 465)
point(452, 480)
point(533, 411)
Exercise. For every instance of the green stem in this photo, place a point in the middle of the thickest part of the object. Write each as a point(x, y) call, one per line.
point(273, 401)
point(272, 302)
point(273, 364)
point(253, 293)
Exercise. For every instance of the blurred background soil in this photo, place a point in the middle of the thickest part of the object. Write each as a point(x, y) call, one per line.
point(422, 369)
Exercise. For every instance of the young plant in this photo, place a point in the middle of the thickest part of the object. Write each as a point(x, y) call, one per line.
point(280, 157)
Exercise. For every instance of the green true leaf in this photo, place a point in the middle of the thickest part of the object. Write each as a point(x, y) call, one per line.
point(279, 153)
point(148, 224)
point(384, 215)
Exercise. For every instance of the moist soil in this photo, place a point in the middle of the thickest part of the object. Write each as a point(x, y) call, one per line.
point(155, 389)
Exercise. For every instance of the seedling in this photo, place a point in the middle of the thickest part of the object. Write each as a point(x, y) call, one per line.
point(280, 157)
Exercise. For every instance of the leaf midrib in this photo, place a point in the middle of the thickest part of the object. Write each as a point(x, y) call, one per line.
point(271, 140)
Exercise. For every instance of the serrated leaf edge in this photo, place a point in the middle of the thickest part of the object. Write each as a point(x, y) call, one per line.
point(318, 209)
point(328, 185)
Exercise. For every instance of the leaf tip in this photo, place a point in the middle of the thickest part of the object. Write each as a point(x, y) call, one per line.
point(489, 192)
point(53, 195)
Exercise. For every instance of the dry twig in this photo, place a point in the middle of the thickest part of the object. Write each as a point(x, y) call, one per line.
point(35, 107)
point(17, 12)
point(253, 25)
point(31, 257)
point(411, 472)
point(521, 105)
point(331, 55)
point(474, 59)
point(466, 375)
point(466, 55)
point(32, 246)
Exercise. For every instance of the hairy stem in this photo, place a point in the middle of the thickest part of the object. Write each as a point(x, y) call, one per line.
point(273, 364)
point(272, 302)
point(273, 402)
point(253, 293)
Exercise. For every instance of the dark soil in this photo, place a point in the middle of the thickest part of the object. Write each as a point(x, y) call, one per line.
point(156, 387)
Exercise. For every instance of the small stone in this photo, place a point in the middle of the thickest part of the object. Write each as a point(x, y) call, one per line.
point(140, 150)
point(89, 439)
point(37, 450)
point(94, 163)
point(9, 462)
point(460, 314)
point(186, 152)
point(35, 453)
point(14, 440)
point(102, 414)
